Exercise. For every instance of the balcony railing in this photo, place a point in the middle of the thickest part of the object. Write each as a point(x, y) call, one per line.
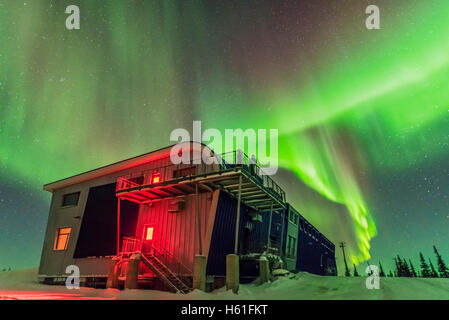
point(220, 163)
point(131, 245)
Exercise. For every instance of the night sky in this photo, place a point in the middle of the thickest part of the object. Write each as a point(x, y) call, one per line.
point(363, 115)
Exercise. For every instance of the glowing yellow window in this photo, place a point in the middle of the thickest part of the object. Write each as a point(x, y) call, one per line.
point(149, 233)
point(62, 238)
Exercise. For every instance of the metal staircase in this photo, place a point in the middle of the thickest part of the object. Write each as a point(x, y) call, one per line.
point(161, 262)
point(165, 274)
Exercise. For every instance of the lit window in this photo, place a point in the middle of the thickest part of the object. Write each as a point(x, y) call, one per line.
point(149, 233)
point(70, 199)
point(156, 177)
point(62, 238)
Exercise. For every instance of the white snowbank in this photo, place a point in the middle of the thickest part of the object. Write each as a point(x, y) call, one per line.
point(22, 284)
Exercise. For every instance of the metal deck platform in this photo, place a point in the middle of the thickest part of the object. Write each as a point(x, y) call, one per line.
point(258, 192)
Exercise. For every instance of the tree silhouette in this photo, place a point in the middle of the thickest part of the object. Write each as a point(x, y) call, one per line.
point(381, 270)
point(425, 271)
point(356, 274)
point(412, 269)
point(405, 269)
point(433, 273)
point(402, 267)
point(442, 268)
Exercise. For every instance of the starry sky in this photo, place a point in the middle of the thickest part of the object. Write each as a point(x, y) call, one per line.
point(363, 115)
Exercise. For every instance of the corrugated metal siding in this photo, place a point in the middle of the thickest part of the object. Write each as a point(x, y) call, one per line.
point(312, 254)
point(257, 233)
point(223, 236)
point(177, 232)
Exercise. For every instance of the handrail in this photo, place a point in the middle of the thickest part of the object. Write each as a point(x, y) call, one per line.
point(131, 245)
point(226, 162)
point(167, 258)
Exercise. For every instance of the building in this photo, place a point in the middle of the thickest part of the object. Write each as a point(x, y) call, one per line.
point(171, 213)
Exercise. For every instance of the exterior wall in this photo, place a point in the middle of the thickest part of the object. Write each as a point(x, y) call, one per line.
point(180, 230)
point(315, 252)
point(223, 235)
point(292, 231)
point(177, 232)
point(54, 263)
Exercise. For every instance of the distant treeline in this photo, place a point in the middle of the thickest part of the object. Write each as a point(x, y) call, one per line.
point(406, 269)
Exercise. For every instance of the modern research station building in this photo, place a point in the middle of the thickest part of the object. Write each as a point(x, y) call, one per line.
point(170, 213)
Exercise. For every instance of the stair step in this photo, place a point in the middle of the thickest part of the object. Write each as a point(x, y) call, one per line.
point(165, 274)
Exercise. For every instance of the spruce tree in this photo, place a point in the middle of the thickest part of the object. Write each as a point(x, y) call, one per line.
point(406, 270)
point(425, 271)
point(401, 265)
point(412, 270)
point(381, 270)
point(442, 268)
point(433, 273)
point(390, 274)
point(398, 268)
point(356, 274)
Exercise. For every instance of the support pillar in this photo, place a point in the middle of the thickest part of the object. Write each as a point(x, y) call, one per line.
point(118, 226)
point(269, 226)
point(198, 214)
point(199, 272)
point(237, 223)
point(264, 270)
point(132, 271)
point(232, 272)
point(113, 273)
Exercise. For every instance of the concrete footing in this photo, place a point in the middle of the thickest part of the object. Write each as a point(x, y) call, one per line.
point(264, 270)
point(232, 272)
point(113, 273)
point(199, 272)
point(132, 271)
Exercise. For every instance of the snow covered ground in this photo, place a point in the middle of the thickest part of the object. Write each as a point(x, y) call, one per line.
point(22, 284)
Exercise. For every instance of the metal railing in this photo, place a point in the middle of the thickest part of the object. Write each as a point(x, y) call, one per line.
point(154, 248)
point(131, 245)
point(219, 164)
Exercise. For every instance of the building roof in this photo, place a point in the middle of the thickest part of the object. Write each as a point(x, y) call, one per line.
point(114, 167)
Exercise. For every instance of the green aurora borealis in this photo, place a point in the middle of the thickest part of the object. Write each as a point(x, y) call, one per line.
point(352, 105)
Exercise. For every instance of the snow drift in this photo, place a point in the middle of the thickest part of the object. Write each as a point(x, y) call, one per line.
point(22, 284)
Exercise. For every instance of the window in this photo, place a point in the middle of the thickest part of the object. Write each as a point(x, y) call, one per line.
point(62, 239)
point(296, 219)
point(156, 177)
point(70, 199)
point(291, 216)
point(149, 233)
